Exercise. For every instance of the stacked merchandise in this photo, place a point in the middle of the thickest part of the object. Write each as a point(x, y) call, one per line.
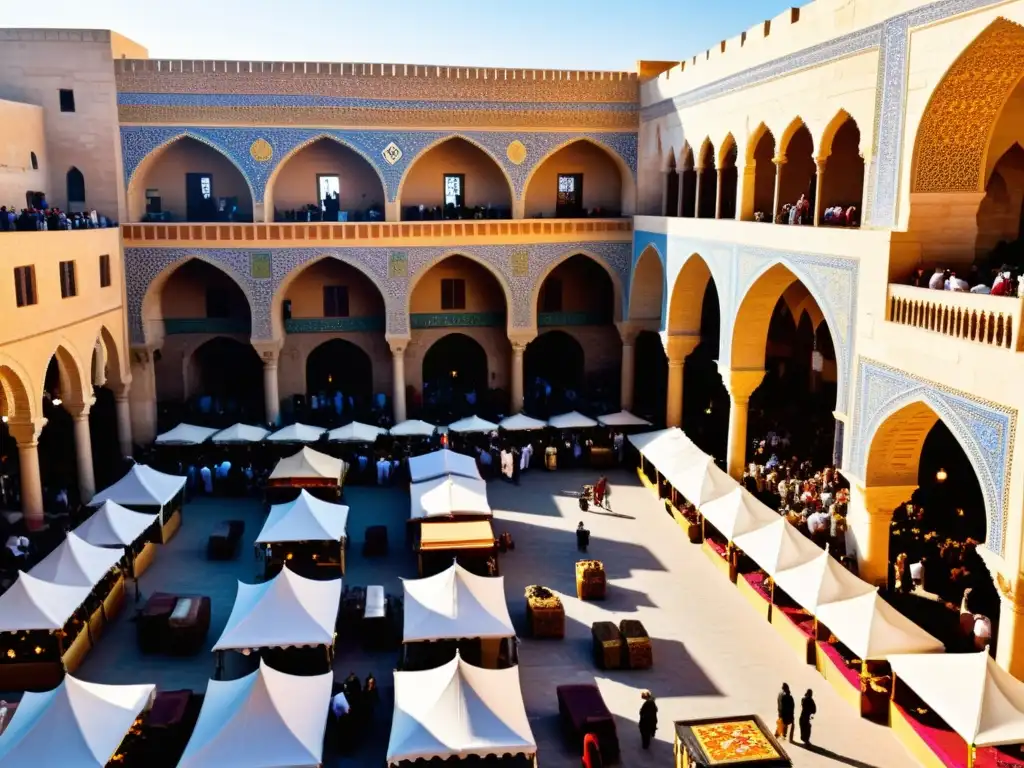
point(590, 580)
point(639, 653)
point(544, 612)
point(607, 645)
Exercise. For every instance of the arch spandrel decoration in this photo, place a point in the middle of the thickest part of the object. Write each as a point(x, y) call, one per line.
point(237, 144)
point(391, 270)
point(986, 431)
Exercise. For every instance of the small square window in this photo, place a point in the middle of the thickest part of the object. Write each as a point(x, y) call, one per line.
point(67, 100)
point(551, 295)
point(453, 293)
point(335, 301)
point(104, 270)
point(25, 285)
point(68, 288)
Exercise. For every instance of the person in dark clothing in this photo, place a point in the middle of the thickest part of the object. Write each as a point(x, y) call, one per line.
point(582, 538)
point(787, 710)
point(353, 690)
point(648, 719)
point(516, 470)
point(807, 711)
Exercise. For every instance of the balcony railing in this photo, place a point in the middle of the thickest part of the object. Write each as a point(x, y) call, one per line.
point(174, 326)
point(317, 232)
point(989, 320)
point(420, 320)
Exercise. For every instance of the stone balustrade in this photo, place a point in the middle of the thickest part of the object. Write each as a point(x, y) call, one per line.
point(990, 320)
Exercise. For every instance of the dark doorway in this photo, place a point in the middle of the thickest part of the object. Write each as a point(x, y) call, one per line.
point(200, 205)
point(553, 370)
point(454, 367)
point(650, 387)
point(672, 193)
point(228, 380)
point(106, 451)
point(76, 190)
point(340, 366)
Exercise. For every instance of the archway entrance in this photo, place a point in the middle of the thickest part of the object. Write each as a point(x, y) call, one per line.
point(339, 382)
point(455, 180)
point(57, 457)
point(554, 373)
point(225, 382)
point(705, 405)
point(651, 377)
point(455, 377)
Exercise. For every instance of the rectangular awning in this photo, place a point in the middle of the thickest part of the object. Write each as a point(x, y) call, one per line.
point(472, 534)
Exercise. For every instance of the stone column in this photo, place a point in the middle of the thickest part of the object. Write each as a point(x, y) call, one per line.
point(259, 213)
point(142, 396)
point(741, 385)
point(124, 421)
point(819, 185)
point(393, 211)
point(677, 347)
point(777, 204)
point(518, 348)
point(628, 334)
point(718, 193)
point(83, 449)
point(699, 170)
point(519, 209)
point(270, 353)
point(682, 188)
point(398, 378)
point(868, 517)
point(26, 435)
point(745, 197)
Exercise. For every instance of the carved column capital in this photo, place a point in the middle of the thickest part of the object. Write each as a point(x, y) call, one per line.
point(26, 432)
point(741, 382)
point(679, 346)
point(779, 160)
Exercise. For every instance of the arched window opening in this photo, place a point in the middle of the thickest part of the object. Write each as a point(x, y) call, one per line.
point(339, 384)
point(200, 298)
point(579, 180)
point(763, 203)
point(578, 292)
point(327, 181)
point(842, 185)
point(688, 185)
point(671, 188)
point(1000, 238)
point(76, 190)
point(555, 379)
point(225, 383)
point(455, 180)
point(729, 181)
point(799, 179)
point(330, 295)
point(455, 377)
point(707, 183)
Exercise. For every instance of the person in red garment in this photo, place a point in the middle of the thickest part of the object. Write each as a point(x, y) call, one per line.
point(600, 490)
point(591, 752)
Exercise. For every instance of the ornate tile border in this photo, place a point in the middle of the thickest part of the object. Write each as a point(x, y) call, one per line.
point(258, 151)
point(891, 38)
point(985, 430)
point(518, 269)
point(832, 281)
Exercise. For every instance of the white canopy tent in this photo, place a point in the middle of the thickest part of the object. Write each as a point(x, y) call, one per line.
point(285, 612)
point(413, 428)
point(777, 547)
point(240, 433)
point(355, 433)
point(309, 464)
point(297, 433)
point(622, 419)
point(976, 697)
point(520, 422)
point(441, 463)
point(571, 420)
point(696, 476)
point(31, 604)
point(738, 512)
point(449, 496)
point(873, 629)
point(186, 434)
point(76, 724)
point(115, 526)
point(819, 582)
point(305, 519)
point(142, 487)
point(77, 563)
point(266, 719)
point(455, 604)
point(472, 424)
point(458, 710)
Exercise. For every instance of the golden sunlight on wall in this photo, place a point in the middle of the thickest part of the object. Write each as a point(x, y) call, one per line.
point(296, 185)
point(185, 292)
point(22, 139)
point(306, 292)
point(483, 292)
point(602, 182)
point(485, 182)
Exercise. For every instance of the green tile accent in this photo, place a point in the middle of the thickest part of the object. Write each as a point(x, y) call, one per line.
point(178, 325)
point(333, 324)
point(548, 319)
point(457, 320)
point(260, 265)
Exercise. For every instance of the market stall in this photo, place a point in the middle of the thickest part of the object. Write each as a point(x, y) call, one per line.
point(459, 710)
point(740, 742)
point(132, 532)
point(186, 434)
point(442, 463)
point(296, 433)
point(356, 433)
point(456, 608)
point(44, 633)
point(267, 719)
point(622, 420)
point(957, 709)
point(75, 724)
point(318, 473)
point(143, 489)
point(449, 497)
point(240, 434)
point(732, 515)
point(520, 422)
point(290, 621)
point(77, 563)
point(470, 543)
point(308, 534)
point(413, 428)
point(573, 420)
point(662, 452)
point(472, 425)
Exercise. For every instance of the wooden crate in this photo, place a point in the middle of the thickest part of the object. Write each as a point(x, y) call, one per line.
point(590, 580)
point(638, 653)
point(608, 646)
point(545, 614)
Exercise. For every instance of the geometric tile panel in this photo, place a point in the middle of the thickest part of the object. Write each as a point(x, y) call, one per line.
point(984, 430)
point(238, 143)
point(832, 281)
point(517, 267)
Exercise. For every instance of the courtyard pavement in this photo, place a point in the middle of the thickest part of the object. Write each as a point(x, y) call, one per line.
point(712, 655)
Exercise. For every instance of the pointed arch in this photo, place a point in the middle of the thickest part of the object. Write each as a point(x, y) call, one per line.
point(15, 385)
point(728, 145)
point(152, 315)
point(707, 181)
point(843, 172)
point(74, 387)
point(755, 139)
point(688, 183)
point(494, 272)
point(268, 195)
point(555, 263)
point(136, 192)
point(113, 358)
point(686, 302)
point(829, 134)
point(444, 140)
point(647, 287)
point(795, 125)
point(728, 178)
point(627, 186)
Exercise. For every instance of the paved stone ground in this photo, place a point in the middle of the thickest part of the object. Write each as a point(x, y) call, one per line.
point(713, 655)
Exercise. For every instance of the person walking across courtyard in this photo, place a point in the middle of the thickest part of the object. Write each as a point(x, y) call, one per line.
point(648, 719)
point(807, 711)
point(786, 709)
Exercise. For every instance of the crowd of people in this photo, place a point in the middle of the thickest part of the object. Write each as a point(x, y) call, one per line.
point(45, 218)
point(802, 213)
point(1004, 281)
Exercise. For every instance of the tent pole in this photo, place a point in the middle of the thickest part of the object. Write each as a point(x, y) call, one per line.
point(970, 755)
